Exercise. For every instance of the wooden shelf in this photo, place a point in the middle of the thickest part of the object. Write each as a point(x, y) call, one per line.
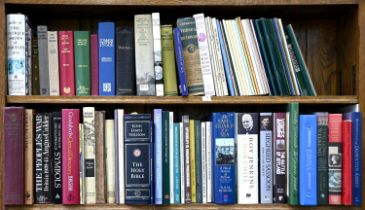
point(185, 2)
point(175, 100)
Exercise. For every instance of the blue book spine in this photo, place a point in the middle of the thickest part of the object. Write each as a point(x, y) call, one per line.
point(183, 86)
point(356, 119)
point(106, 43)
point(177, 172)
point(308, 160)
point(157, 118)
point(223, 141)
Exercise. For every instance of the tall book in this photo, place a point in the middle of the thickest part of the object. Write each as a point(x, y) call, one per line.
point(179, 54)
point(191, 52)
point(38, 159)
point(176, 160)
point(43, 59)
point(223, 147)
point(13, 137)
point(198, 161)
point(66, 63)
point(99, 156)
point(192, 160)
point(120, 156)
point(70, 156)
point(82, 62)
point(47, 156)
point(56, 139)
point(94, 65)
point(293, 109)
point(168, 61)
point(28, 56)
point(157, 54)
point(209, 162)
point(143, 38)
point(182, 164)
point(322, 158)
point(171, 157)
point(204, 161)
point(266, 157)
point(347, 162)
point(246, 126)
point(308, 160)
point(106, 37)
point(16, 54)
point(82, 164)
point(334, 159)
point(158, 155)
point(138, 158)
point(53, 67)
point(29, 156)
point(186, 139)
point(125, 72)
point(110, 160)
point(166, 157)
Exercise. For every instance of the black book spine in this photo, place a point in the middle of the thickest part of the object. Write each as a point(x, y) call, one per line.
point(47, 159)
point(57, 157)
point(38, 159)
point(125, 74)
point(322, 159)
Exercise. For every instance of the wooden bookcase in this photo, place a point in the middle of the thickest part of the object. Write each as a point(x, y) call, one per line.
point(331, 34)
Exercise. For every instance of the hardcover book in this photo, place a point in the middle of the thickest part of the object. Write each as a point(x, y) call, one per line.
point(38, 160)
point(198, 161)
point(158, 155)
point(176, 160)
point(110, 161)
point(29, 156)
point(183, 85)
point(35, 67)
point(293, 109)
point(82, 62)
point(66, 63)
point(47, 156)
point(168, 61)
point(100, 153)
point(166, 157)
point(56, 139)
point(94, 65)
point(53, 67)
point(322, 158)
point(192, 160)
point(186, 139)
point(43, 59)
point(347, 162)
point(157, 54)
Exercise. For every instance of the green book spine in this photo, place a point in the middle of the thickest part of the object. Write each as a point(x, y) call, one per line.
point(198, 162)
point(166, 157)
point(322, 158)
point(168, 61)
point(293, 109)
point(82, 62)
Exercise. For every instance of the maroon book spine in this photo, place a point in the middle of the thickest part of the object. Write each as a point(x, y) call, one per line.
point(94, 65)
point(66, 63)
point(13, 156)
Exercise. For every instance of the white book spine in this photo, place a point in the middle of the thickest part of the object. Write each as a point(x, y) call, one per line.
point(171, 156)
point(53, 70)
point(157, 52)
point(287, 151)
point(204, 55)
point(182, 163)
point(120, 154)
point(90, 163)
point(82, 164)
point(204, 160)
point(16, 54)
point(208, 28)
point(209, 161)
point(28, 57)
point(110, 160)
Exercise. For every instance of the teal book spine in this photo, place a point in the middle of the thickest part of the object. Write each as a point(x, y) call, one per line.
point(177, 170)
point(82, 62)
point(165, 160)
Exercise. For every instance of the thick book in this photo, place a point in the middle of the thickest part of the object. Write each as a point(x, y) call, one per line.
point(13, 174)
point(308, 160)
point(157, 54)
point(266, 157)
point(43, 59)
point(110, 161)
point(82, 62)
point(138, 158)
point(16, 54)
point(53, 67)
point(94, 65)
point(191, 55)
point(106, 40)
point(179, 54)
point(347, 162)
point(56, 139)
point(158, 155)
point(47, 156)
point(246, 126)
point(143, 38)
point(70, 156)
point(168, 61)
point(322, 158)
point(99, 156)
point(66, 63)
point(223, 147)
point(35, 67)
point(293, 109)
point(29, 156)
point(38, 160)
point(125, 72)
point(334, 159)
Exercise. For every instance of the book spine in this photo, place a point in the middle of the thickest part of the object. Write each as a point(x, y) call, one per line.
point(38, 159)
point(35, 67)
point(13, 174)
point(308, 160)
point(70, 156)
point(192, 160)
point(82, 62)
point(182, 164)
point(82, 164)
point(347, 162)
point(157, 54)
point(43, 59)
point(166, 157)
point(29, 156)
point(110, 161)
point(28, 57)
point(177, 171)
point(106, 44)
point(171, 157)
point(204, 161)
point(209, 162)
point(138, 142)
point(168, 61)
point(57, 156)
point(99, 156)
point(183, 86)
point(334, 159)
point(186, 139)
point(143, 38)
point(157, 118)
point(322, 158)
point(94, 65)
point(293, 109)
point(16, 54)
point(279, 162)
point(191, 56)
point(266, 157)
point(53, 67)
point(120, 180)
point(66, 63)
point(198, 161)
point(47, 159)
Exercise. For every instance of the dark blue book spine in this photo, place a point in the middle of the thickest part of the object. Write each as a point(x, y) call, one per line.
point(223, 142)
point(138, 159)
point(308, 160)
point(183, 86)
point(106, 43)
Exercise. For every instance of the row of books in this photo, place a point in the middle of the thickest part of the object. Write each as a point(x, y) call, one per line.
point(200, 56)
point(244, 158)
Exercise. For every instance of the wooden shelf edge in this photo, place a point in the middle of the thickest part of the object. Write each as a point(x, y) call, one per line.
point(185, 2)
point(175, 100)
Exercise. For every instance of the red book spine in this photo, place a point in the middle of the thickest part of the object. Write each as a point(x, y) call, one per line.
point(94, 64)
point(66, 62)
point(13, 156)
point(347, 162)
point(70, 156)
point(334, 159)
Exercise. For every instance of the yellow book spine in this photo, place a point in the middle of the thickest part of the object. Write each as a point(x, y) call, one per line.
point(192, 161)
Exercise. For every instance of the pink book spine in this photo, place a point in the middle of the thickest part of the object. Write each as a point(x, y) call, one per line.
point(70, 156)
point(347, 162)
point(94, 65)
point(66, 59)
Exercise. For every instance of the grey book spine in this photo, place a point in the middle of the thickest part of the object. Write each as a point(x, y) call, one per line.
point(43, 60)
